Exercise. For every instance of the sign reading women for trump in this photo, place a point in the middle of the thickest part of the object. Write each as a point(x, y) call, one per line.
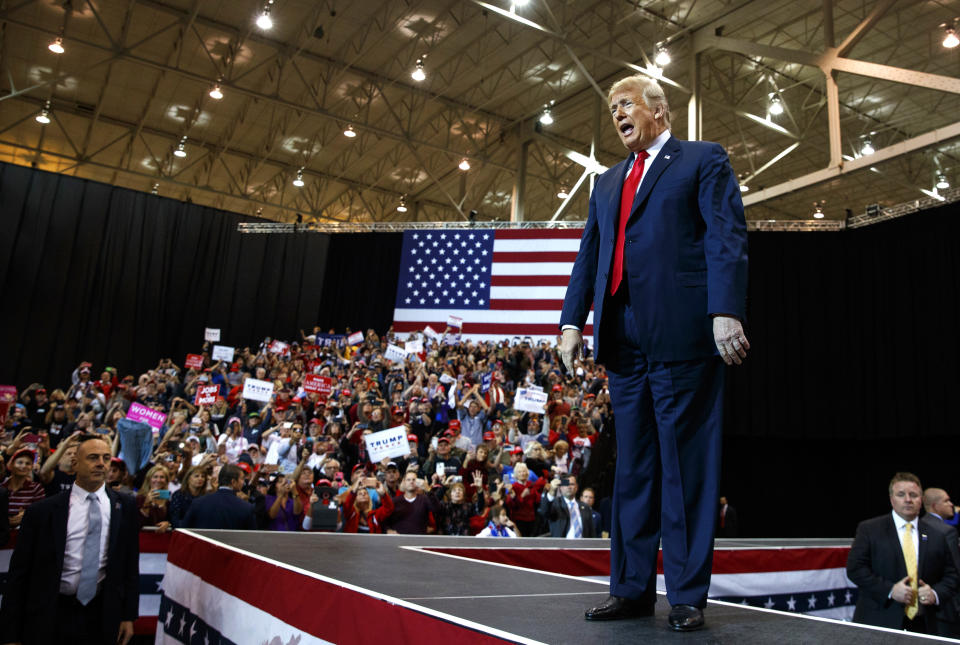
point(387, 443)
point(530, 400)
point(257, 390)
point(143, 414)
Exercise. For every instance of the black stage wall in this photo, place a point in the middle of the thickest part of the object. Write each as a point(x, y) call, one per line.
point(852, 373)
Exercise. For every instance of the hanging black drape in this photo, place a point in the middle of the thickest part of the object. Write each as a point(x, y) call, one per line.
point(118, 277)
point(852, 375)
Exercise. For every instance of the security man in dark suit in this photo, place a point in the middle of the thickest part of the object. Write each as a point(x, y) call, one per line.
point(903, 565)
point(74, 575)
point(939, 506)
point(222, 509)
point(568, 516)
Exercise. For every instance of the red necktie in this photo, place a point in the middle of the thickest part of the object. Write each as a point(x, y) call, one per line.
point(626, 203)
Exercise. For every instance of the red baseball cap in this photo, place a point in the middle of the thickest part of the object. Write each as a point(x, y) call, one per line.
point(489, 436)
point(454, 423)
point(558, 388)
point(517, 450)
point(413, 438)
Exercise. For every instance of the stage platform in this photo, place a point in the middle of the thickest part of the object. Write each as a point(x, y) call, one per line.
point(251, 587)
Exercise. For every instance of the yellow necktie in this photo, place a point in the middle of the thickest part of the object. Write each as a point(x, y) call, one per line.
point(910, 557)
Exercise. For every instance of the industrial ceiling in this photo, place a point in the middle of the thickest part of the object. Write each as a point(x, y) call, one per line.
point(134, 82)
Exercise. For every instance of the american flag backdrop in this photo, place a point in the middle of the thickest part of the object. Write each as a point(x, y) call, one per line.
point(501, 282)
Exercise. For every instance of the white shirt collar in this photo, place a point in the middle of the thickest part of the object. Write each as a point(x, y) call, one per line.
point(654, 148)
point(899, 522)
point(77, 493)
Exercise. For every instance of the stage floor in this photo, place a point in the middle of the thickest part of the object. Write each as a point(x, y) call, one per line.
point(522, 605)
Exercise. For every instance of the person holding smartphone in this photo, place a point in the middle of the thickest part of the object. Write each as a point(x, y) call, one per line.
point(153, 500)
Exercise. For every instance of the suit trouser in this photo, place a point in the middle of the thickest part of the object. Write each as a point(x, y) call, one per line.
point(669, 420)
point(79, 624)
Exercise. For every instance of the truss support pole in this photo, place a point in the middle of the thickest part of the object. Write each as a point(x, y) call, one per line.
point(519, 185)
point(695, 103)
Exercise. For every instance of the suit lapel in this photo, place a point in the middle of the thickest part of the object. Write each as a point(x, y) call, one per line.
point(921, 551)
point(894, 540)
point(60, 528)
point(616, 191)
point(668, 154)
point(114, 521)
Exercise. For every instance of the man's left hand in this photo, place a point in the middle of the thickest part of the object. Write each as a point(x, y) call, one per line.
point(125, 633)
point(730, 339)
point(926, 594)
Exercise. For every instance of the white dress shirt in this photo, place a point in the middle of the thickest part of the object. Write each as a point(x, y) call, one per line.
point(77, 532)
point(900, 523)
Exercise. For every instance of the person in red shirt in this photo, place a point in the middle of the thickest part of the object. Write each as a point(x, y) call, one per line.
point(523, 498)
point(357, 510)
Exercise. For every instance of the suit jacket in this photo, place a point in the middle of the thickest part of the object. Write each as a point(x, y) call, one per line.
point(685, 251)
point(948, 616)
point(29, 611)
point(876, 563)
point(558, 514)
point(221, 509)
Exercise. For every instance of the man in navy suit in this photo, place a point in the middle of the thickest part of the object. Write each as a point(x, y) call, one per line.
point(74, 575)
point(222, 509)
point(663, 262)
point(904, 566)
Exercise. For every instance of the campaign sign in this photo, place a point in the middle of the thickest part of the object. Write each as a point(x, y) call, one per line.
point(279, 347)
point(223, 353)
point(8, 393)
point(326, 340)
point(530, 400)
point(322, 385)
point(387, 443)
point(355, 338)
point(257, 390)
point(143, 414)
point(414, 346)
point(455, 321)
point(446, 378)
point(395, 353)
point(206, 395)
point(212, 335)
point(430, 332)
point(485, 381)
point(194, 361)
point(451, 339)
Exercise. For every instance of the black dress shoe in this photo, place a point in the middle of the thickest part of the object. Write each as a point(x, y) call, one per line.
point(616, 608)
point(685, 618)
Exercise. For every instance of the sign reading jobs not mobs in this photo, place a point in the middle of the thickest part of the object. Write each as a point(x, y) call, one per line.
point(257, 390)
point(387, 443)
point(530, 400)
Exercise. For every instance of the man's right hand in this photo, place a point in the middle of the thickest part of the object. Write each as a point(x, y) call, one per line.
point(570, 346)
point(902, 592)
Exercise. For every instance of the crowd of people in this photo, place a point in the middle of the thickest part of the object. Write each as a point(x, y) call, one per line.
point(475, 466)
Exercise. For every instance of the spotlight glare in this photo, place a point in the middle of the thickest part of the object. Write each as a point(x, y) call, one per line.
point(818, 210)
point(263, 20)
point(562, 193)
point(56, 46)
point(662, 59)
point(298, 182)
point(951, 40)
point(942, 183)
point(43, 117)
point(867, 148)
point(350, 132)
point(464, 165)
point(744, 188)
point(181, 150)
point(402, 208)
point(216, 93)
point(546, 118)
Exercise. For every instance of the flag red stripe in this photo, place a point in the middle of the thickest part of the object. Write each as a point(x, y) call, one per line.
point(534, 256)
point(529, 280)
point(539, 233)
point(528, 305)
point(503, 329)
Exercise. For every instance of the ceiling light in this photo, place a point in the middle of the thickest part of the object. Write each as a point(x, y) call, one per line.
point(264, 21)
point(402, 207)
point(44, 116)
point(776, 105)
point(743, 184)
point(562, 193)
point(663, 57)
point(418, 74)
point(950, 40)
point(155, 189)
point(867, 147)
point(942, 183)
point(744, 188)
point(546, 118)
point(181, 150)
point(350, 132)
point(298, 182)
point(216, 93)
point(818, 210)
point(57, 46)
point(464, 164)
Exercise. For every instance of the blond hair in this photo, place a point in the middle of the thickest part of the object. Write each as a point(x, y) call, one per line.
point(653, 95)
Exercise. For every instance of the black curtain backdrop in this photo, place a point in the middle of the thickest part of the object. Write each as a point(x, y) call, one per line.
point(851, 377)
point(123, 278)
